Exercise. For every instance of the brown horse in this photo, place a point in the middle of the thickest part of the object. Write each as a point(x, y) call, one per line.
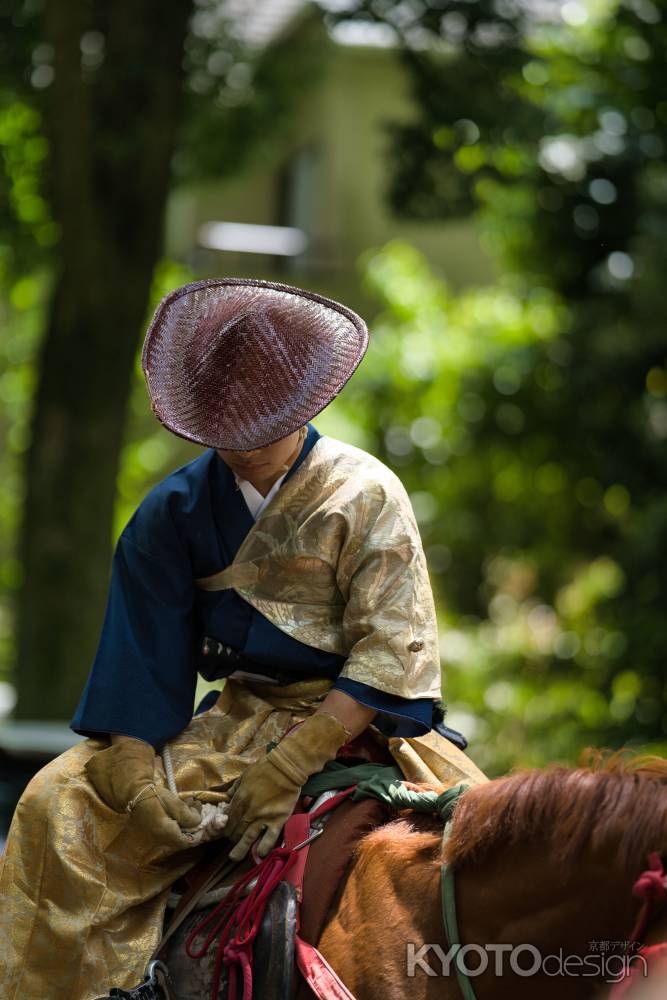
point(545, 864)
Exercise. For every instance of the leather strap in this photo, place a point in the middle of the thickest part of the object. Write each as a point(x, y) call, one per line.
point(190, 898)
point(313, 966)
point(317, 972)
point(297, 830)
point(448, 902)
point(319, 975)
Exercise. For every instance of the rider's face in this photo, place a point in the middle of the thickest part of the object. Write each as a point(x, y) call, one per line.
point(262, 464)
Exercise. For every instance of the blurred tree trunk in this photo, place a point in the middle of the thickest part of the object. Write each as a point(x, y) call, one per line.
point(115, 106)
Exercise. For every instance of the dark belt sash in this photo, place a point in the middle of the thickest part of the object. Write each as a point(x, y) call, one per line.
point(217, 660)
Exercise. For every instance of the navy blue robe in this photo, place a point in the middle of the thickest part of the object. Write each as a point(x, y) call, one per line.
point(142, 682)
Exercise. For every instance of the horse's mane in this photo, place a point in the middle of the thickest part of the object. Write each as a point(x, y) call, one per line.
point(612, 799)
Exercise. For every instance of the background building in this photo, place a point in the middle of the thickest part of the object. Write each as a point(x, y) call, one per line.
point(326, 178)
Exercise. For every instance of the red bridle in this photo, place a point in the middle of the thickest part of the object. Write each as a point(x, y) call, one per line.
point(651, 887)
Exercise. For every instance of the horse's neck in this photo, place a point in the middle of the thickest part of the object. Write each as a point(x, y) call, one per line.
point(389, 908)
point(521, 896)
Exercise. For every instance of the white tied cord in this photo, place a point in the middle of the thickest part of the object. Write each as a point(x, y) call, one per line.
point(213, 816)
point(169, 769)
point(213, 821)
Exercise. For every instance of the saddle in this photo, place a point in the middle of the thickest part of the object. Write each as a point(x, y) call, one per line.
point(295, 915)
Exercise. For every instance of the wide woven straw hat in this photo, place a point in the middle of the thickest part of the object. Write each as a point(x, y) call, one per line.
point(238, 363)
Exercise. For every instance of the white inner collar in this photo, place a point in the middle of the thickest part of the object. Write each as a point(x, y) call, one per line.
point(255, 502)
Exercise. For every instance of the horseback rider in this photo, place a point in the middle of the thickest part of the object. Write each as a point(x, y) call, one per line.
point(284, 561)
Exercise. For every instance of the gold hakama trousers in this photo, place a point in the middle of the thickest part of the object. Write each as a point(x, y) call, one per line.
point(83, 895)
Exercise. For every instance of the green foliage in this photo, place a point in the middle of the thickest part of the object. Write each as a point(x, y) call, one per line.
point(21, 319)
point(469, 121)
point(537, 463)
point(241, 99)
point(527, 420)
point(24, 211)
point(237, 100)
point(532, 557)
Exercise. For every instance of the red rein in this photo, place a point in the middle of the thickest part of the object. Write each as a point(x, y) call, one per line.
point(235, 921)
point(651, 887)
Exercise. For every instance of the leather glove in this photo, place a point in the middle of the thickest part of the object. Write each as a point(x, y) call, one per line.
point(268, 791)
point(124, 777)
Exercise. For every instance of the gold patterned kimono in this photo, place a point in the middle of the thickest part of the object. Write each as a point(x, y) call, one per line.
point(335, 561)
